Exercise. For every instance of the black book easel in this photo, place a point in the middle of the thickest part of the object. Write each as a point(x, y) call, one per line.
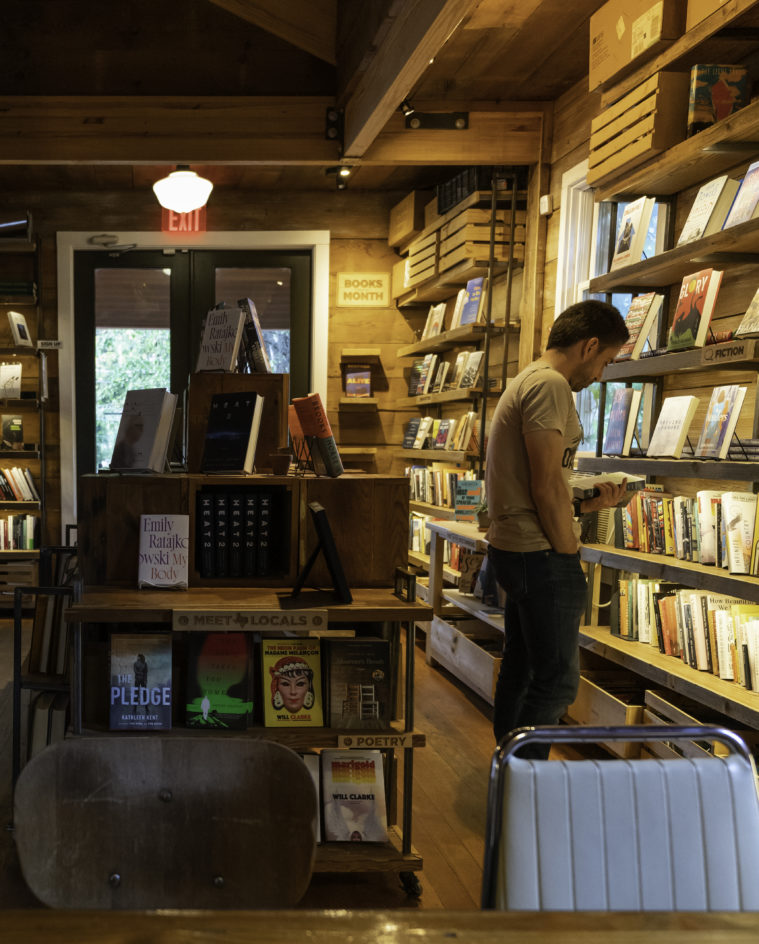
point(326, 543)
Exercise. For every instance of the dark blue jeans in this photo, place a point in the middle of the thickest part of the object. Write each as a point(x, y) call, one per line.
point(545, 598)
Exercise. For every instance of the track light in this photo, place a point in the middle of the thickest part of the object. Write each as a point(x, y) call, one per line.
point(183, 190)
point(341, 173)
point(407, 108)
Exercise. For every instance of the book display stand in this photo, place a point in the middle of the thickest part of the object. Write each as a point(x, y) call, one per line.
point(325, 545)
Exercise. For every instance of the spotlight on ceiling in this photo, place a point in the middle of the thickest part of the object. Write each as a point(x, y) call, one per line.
point(183, 190)
point(341, 173)
point(407, 108)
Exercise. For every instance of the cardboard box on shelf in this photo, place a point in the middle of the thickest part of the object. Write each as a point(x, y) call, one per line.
point(624, 32)
point(699, 10)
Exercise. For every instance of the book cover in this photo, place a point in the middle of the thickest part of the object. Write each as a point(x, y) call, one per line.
point(409, 434)
point(471, 372)
point(458, 305)
point(222, 336)
point(423, 431)
point(695, 305)
point(469, 494)
point(458, 369)
point(746, 199)
point(291, 686)
point(232, 432)
point(353, 793)
point(672, 425)
point(709, 209)
point(358, 380)
point(716, 91)
point(140, 691)
point(622, 420)
point(472, 308)
point(720, 421)
point(219, 681)
point(163, 551)
point(414, 376)
point(440, 375)
point(442, 433)
point(738, 512)
point(316, 426)
point(297, 436)
point(19, 329)
point(427, 372)
point(358, 682)
point(13, 431)
point(254, 343)
point(434, 323)
point(749, 324)
point(143, 435)
point(639, 320)
point(632, 229)
point(707, 503)
point(10, 381)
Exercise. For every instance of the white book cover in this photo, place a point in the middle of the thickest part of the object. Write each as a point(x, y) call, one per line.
point(738, 512)
point(631, 232)
point(459, 367)
point(746, 200)
point(19, 329)
point(749, 325)
point(143, 435)
point(721, 419)
point(471, 372)
point(353, 795)
point(644, 617)
point(752, 638)
point(672, 426)
point(708, 501)
point(725, 635)
point(457, 306)
point(435, 318)
point(709, 209)
point(423, 432)
point(222, 335)
point(164, 551)
point(10, 381)
point(700, 630)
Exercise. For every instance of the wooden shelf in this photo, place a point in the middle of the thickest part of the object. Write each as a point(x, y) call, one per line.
point(17, 245)
point(712, 469)
point(369, 404)
point(423, 560)
point(493, 616)
point(465, 533)
point(437, 511)
point(449, 455)
point(448, 396)
point(466, 334)
point(698, 576)
point(443, 286)
point(19, 454)
point(671, 673)
point(19, 554)
point(740, 354)
point(738, 245)
point(367, 856)
point(14, 503)
point(360, 355)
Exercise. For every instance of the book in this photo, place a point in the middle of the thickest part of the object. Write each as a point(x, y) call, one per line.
point(291, 682)
point(353, 796)
point(12, 431)
point(297, 436)
point(695, 304)
point(622, 421)
point(738, 513)
point(422, 432)
point(442, 433)
point(358, 380)
point(720, 421)
point(434, 323)
point(316, 427)
point(219, 681)
point(440, 375)
point(458, 305)
point(469, 494)
point(672, 425)
point(254, 343)
point(409, 434)
point(708, 501)
point(142, 439)
point(749, 323)
point(473, 306)
point(716, 91)
point(746, 201)
point(426, 373)
point(709, 209)
point(458, 369)
point(414, 376)
point(19, 329)
point(10, 381)
point(311, 760)
point(583, 484)
point(358, 682)
point(140, 691)
point(232, 432)
point(163, 551)
point(471, 372)
point(640, 319)
point(632, 230)
point(221, 340)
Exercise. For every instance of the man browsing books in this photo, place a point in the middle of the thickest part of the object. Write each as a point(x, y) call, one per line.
point(533, 536)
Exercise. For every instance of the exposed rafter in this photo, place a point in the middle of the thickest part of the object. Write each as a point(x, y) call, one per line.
point(310, 25)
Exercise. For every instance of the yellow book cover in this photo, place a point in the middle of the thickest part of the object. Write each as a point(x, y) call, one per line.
point(669, 530)
point(292, 691)
point(742, 613)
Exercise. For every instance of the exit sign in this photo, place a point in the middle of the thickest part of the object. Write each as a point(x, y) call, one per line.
point(192, 222)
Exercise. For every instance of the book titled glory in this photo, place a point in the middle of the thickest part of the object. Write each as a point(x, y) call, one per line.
point(164, 549)
point(140, 689)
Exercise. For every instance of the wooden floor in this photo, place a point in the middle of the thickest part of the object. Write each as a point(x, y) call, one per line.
point(450, 787)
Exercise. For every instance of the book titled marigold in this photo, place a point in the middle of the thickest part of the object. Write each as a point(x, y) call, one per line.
point(353, 795)
point(291, 682)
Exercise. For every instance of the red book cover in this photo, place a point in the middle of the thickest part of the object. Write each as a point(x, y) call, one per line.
point(695, 304)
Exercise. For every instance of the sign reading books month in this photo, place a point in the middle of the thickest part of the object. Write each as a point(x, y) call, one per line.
point(140, 689)
point(353, 796)
point(695, 304)
point(291, 682)
point(219, 680)
point(164, 551)
point(363, 290)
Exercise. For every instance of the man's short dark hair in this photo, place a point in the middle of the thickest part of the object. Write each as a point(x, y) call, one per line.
point(588, 319)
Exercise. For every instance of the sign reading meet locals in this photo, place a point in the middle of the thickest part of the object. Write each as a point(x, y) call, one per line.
point(248, 620)
point(363, 290)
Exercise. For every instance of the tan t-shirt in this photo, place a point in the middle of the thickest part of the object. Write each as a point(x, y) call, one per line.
point(537, 398)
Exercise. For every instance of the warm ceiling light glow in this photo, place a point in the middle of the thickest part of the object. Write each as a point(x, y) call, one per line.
point(345, 171)
point(183, 191)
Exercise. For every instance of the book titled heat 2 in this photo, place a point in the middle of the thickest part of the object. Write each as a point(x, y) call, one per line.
point(163, 553)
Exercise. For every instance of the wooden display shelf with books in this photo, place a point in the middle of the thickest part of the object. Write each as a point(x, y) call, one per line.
point(447, 396)
point(468, 603)
point(740, 354)
point(713, 469)
point(418, 559)
point(446, 455)
point(436, 511)
point(446, 340)
point(359, 404)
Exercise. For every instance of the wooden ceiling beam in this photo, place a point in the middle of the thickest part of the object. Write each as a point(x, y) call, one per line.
point(310, 25)
point(415, 34)
point(173, 129)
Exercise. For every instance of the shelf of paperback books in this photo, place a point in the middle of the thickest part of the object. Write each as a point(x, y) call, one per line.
point(447, 396)
point(435, 511)
point(448, 455)
point(737, 354)
point(466, 334)
point(729, 698)
point(662, 567)
point(419, 559)
point(716, 469)
point(468, 603)
point(358, 404)
point(736, 245)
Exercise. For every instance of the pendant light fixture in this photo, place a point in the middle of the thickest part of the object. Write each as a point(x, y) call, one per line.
point(182, 191)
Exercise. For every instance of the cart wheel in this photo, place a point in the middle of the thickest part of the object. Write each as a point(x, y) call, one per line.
point(411, 884)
